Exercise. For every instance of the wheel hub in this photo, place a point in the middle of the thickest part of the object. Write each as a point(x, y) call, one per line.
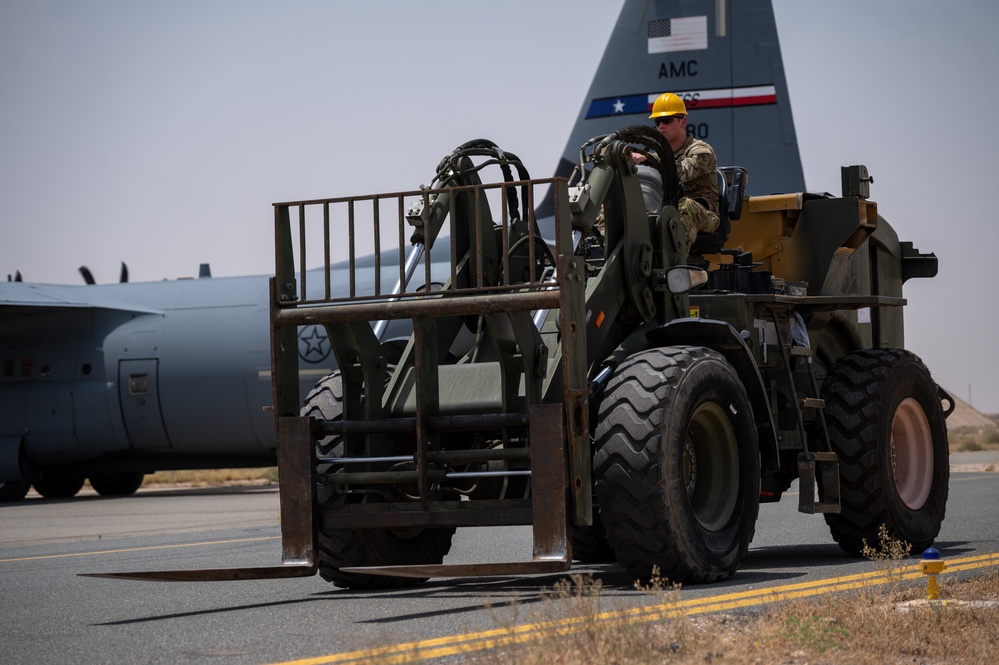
point(689, 466)
point(711, 466)
point(911, 450)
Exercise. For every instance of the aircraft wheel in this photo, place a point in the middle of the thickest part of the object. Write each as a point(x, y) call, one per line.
point(11, 492)
point(342, 548)
point(677, 465)
point(887, 426)
point(58, 487)
point(14, 491)
point(125, 483)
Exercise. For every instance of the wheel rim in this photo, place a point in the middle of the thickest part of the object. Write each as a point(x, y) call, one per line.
point(711, 467)
point(912, 454)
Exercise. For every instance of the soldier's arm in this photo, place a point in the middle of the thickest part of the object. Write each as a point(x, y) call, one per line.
point(699, 161)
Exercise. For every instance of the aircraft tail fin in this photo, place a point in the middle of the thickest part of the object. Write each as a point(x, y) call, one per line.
point(723, 58)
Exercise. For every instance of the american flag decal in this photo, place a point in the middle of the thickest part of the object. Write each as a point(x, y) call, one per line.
point(659, 28)
point(689, 33)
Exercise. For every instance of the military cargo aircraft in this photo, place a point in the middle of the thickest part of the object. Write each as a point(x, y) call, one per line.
point(111, 382)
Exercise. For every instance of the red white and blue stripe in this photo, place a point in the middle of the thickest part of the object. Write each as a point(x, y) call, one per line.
point(693, 99)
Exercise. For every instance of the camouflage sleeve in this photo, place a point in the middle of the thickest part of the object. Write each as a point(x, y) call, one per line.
point(699, 160)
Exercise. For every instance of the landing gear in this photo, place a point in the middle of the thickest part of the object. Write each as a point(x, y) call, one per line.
point(13, 491)
point(59, 487)
point(17, 490)
point(125, 483)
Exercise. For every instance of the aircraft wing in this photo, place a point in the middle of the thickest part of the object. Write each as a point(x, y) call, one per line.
point(30, 313)
point(16, 298)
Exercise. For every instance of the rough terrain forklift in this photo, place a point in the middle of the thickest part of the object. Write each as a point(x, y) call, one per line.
point(630, 397)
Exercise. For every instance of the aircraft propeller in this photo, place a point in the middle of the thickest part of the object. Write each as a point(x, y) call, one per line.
point(88, 276)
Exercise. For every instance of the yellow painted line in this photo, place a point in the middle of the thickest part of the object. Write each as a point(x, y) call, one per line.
point(140, 549)
point(470, 642)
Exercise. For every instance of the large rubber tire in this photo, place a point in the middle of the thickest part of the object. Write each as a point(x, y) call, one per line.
point(589, 543)
point(677, 465)
point(344, 548)
point(887, 426)
point(14, 491)
point(11, 492)
point(58, 487)
point(124, 483)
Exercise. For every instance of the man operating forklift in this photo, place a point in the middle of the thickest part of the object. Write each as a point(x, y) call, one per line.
point(696, 166)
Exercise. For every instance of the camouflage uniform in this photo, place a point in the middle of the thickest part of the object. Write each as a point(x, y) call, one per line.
point(695, 165)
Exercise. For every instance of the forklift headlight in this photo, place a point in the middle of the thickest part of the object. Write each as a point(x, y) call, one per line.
point(681, 279)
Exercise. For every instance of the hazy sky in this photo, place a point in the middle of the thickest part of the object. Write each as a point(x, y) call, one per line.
point(159, 133)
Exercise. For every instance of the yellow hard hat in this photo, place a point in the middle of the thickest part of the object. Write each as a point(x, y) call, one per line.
point(668, 104)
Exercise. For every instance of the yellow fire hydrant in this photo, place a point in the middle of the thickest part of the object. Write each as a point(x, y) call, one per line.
point(932, 566)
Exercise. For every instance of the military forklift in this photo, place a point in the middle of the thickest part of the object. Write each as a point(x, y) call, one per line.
point(630, 397)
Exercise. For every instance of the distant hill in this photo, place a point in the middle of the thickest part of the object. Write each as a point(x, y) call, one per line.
point(966, 415)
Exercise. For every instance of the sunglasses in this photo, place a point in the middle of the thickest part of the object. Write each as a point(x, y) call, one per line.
point(665, 120)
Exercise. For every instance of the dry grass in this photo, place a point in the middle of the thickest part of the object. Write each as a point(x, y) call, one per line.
point(965, 439)
point(866, 627)
point(213, 477)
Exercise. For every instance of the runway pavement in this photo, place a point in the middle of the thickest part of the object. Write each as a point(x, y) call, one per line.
point(51, 615)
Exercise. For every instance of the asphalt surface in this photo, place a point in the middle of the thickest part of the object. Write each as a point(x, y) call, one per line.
point(51, 615)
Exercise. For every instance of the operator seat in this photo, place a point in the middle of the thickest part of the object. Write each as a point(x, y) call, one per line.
point(732, 181)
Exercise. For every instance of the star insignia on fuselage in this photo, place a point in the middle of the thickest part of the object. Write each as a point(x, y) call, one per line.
point(313, 346)
point(619, 106)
